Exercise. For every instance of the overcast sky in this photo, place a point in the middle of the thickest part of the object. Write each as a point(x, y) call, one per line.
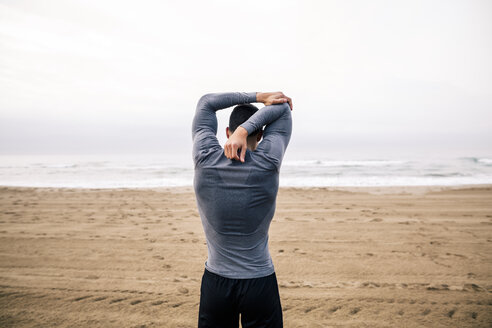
point(116, 76)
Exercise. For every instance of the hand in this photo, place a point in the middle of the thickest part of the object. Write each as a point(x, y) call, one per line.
point(271, 98)
point(238, 140)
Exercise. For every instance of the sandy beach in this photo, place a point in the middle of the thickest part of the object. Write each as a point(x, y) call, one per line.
point(373, 257)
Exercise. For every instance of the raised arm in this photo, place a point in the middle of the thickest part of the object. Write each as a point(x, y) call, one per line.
point(278, 120)
point(204, 127)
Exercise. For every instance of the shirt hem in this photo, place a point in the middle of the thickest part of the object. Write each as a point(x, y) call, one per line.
point(242, 276)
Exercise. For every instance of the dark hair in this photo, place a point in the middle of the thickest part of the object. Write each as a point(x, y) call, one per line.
point(240, 114)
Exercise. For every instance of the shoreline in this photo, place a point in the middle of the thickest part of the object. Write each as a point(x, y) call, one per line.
point(354, 189)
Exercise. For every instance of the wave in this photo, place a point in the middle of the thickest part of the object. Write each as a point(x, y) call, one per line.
point(99, 172)
point(478, 160)
point(486, 161)
point(344, 163)
point(446, 175)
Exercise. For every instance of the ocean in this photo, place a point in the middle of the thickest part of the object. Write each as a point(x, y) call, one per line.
point(161, 170)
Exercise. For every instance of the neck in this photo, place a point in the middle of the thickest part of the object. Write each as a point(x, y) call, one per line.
point(252, 144)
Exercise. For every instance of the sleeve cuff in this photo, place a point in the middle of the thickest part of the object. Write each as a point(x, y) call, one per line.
point(248, 127)
point(251, 97)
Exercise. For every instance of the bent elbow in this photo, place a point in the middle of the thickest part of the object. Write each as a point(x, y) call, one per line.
point(203, 100)
point(285, 107)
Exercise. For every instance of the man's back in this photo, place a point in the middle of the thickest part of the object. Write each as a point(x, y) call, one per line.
point(236, 200)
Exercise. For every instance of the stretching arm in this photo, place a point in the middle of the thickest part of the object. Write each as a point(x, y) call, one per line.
point(204, 127)
point(276, 137)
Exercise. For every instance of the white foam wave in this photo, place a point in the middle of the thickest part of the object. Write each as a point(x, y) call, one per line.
point(149, 172)
point(330, 163)
point(487, 161)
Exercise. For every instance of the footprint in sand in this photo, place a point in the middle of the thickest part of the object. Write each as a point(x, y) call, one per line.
point(451, 313)
point(309, 309)
point(117, 300)
point(457, 255)
point(473, 288)
point(355, 310)
point(92, 276)
point(370, 284)
point(81, 298)
point(334, 309)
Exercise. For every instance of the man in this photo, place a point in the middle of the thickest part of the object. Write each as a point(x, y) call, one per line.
point(236, 196)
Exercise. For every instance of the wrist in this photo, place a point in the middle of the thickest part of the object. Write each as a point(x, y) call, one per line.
point(240, 131)
point(259, 97)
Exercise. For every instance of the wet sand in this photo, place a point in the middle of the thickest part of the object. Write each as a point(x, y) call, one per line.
point(368, 257)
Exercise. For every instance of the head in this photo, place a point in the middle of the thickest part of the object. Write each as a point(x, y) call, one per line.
point(239, 115)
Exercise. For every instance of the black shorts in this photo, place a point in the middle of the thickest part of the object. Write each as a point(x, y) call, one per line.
point(223, 299)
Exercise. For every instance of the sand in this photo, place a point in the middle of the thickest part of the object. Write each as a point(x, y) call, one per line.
point(376, 257)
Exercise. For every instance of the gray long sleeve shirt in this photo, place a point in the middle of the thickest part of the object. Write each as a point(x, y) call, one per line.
point(236, 200)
